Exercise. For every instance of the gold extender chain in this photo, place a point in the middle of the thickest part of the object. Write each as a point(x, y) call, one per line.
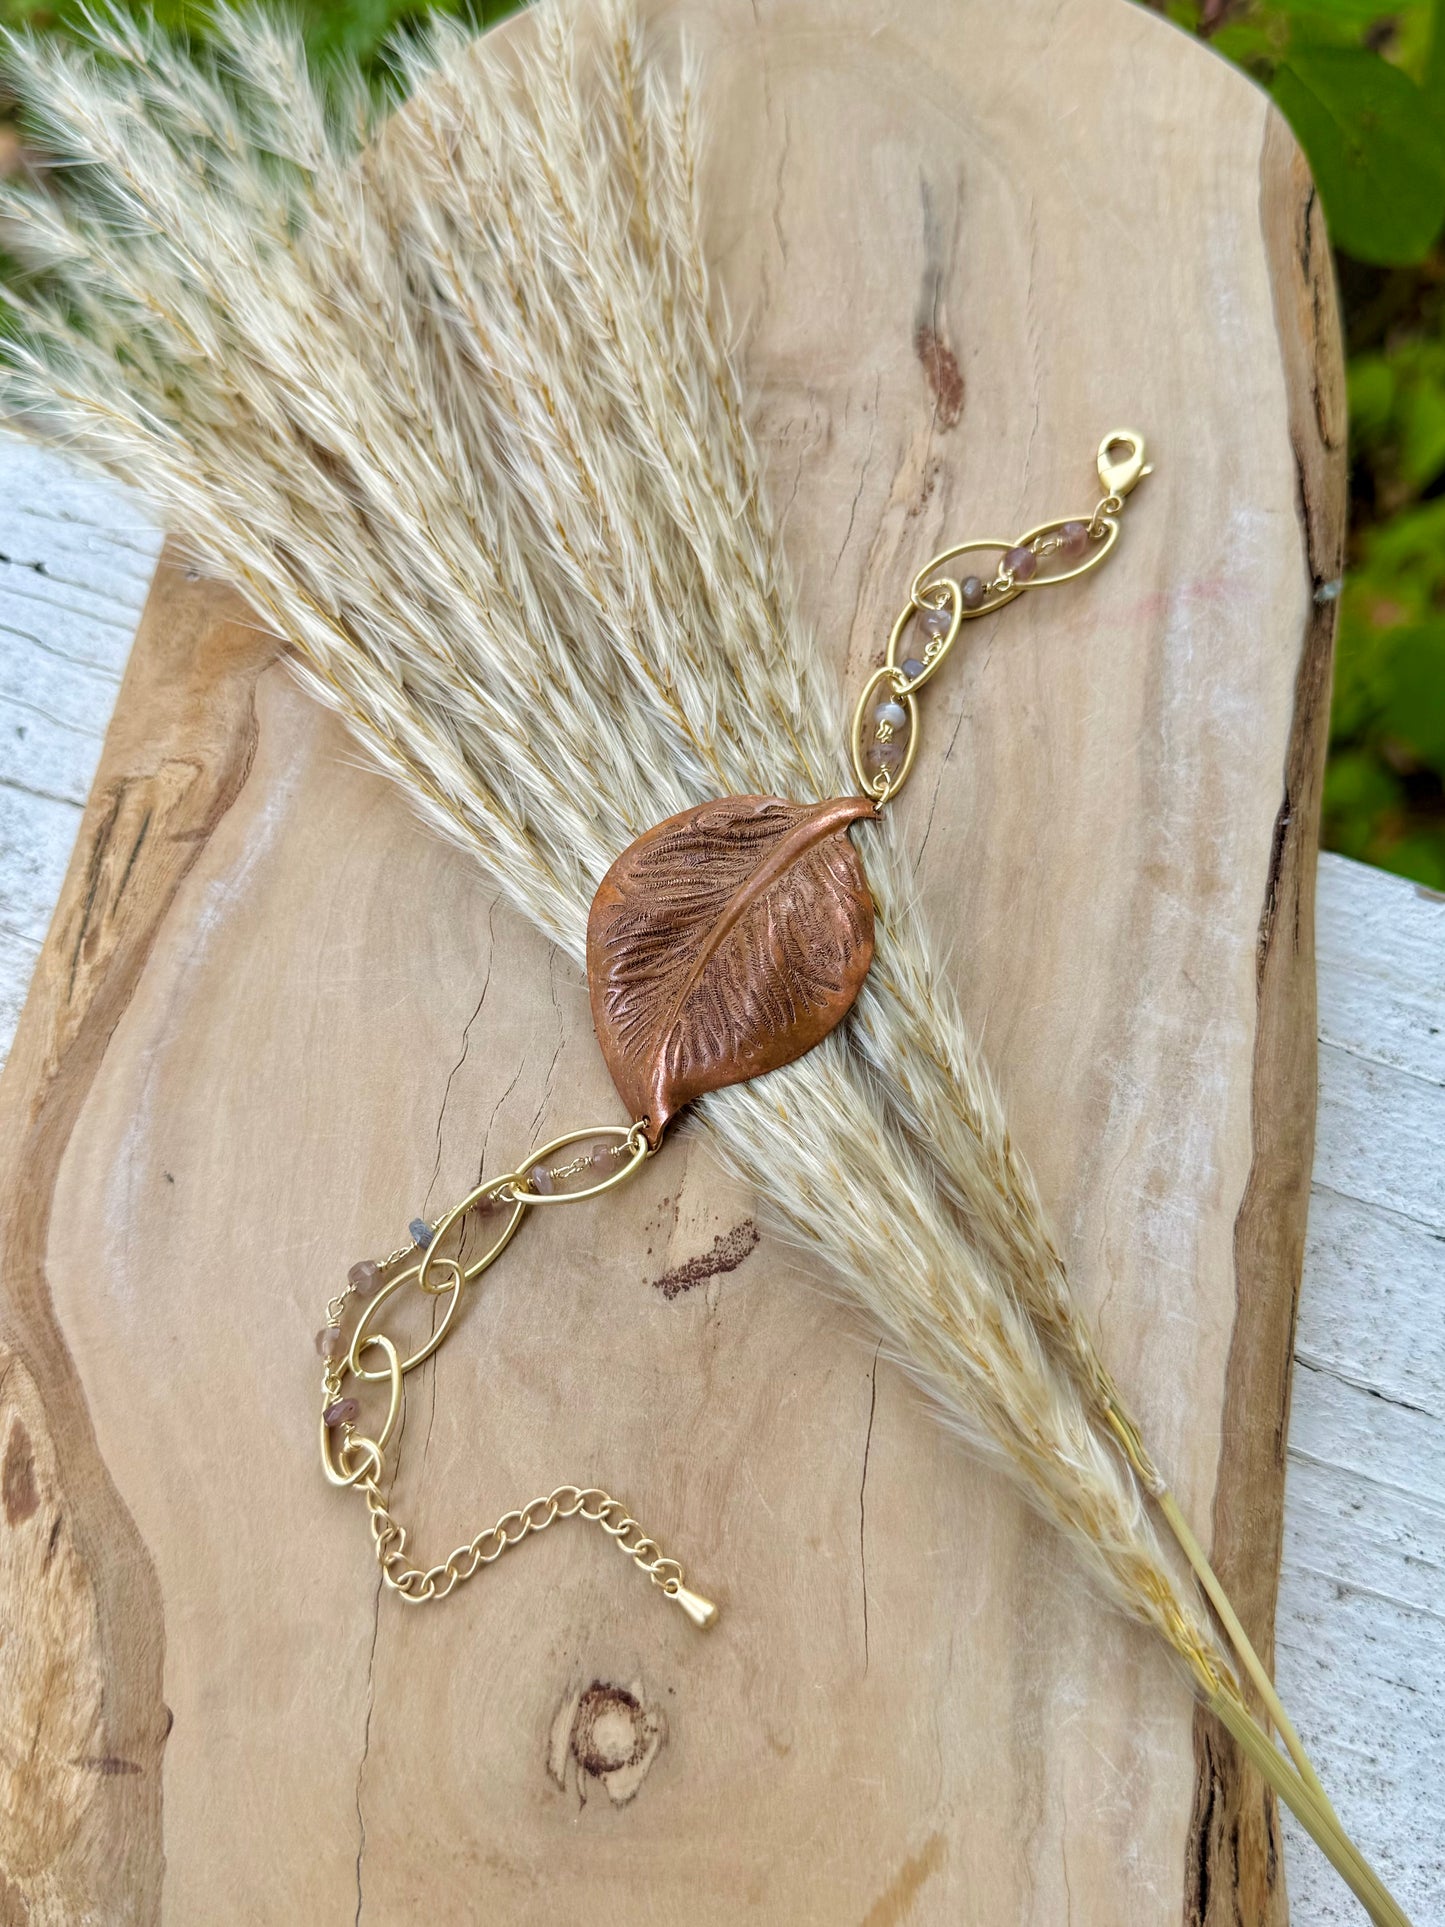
point(350, 1457)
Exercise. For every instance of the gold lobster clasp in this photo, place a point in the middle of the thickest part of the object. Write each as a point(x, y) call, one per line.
point(1121, 461)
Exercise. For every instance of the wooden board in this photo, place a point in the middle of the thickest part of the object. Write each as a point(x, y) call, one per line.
point(76, 559)
point(273, 1019)
point(1361, 1636)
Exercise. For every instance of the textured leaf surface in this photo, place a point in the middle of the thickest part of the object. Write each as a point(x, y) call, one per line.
point(724, 942)
point(1375, 147)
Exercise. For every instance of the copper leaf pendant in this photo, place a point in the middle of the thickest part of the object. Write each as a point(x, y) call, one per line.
point(724, 942)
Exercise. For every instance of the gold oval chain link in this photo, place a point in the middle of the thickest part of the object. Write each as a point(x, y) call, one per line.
point(351, 1458)
point(883, 740)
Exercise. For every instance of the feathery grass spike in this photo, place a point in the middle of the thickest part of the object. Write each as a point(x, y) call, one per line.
point(456, 413)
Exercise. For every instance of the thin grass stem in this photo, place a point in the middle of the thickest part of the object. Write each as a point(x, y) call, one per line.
point(1239, 1639)
point(1298, 1785)
point(1318, 1819)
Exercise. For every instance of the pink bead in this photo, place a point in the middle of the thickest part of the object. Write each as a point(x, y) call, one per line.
point(328, 1339)
point(972, 591)
point(1073, 538)
point(1022, 564)
point(364, 1278)
point(540, 1180)
point(936, 622)
point(341, 1411)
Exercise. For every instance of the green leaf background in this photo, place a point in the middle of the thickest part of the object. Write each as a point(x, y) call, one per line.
point(1363, 87)
point(1375, 147)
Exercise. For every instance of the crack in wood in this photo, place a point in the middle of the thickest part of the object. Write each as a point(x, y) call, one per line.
point(862, 1496)
point(366, 1746)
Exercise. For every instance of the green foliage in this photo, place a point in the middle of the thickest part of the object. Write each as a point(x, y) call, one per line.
point(1363, 86)
point(334, 29)
point(1376, 148)
point(1385, 787)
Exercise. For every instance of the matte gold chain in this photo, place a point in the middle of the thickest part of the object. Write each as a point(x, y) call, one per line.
point(436, 1262)
point(885, 732)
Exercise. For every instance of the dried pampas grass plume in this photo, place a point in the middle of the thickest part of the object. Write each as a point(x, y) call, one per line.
point(455, 412)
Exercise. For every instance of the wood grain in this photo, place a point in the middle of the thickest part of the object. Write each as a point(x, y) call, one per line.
point(83, 1720)
point(965, 242)
point(1233, 1826)
point(1361, 1634)
point(76, 558)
